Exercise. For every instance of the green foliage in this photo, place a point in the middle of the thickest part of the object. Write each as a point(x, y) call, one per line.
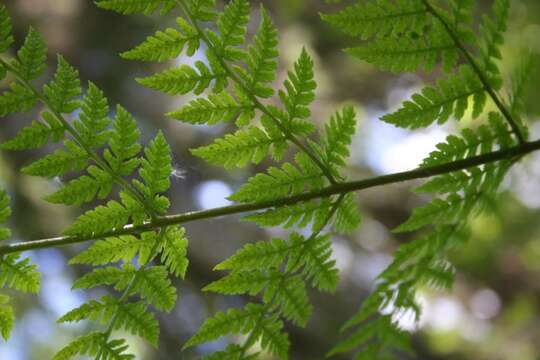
point(167, 44)
point(234, 83)
point(281, 182)
point(7, 317)
point(31, 56)
point(95, 345)
point(268, 329)
point(136, 6)
point(151, 283)
point(19, 274)
point(132, 317)
point(63, 90)
point(449, 98)
point(5, 213)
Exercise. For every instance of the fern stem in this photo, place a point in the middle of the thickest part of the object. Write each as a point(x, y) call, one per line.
point(481, 76)
point(67, 126)
point(342, 188)
point(259, 105)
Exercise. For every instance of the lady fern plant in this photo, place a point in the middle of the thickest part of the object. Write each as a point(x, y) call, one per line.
point(137, 247)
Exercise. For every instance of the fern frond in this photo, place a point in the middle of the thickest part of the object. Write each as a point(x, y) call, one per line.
point(314, 257)
point(449, 97)
point(100, 220)
point(232, 26)
point(280, 182)
point(62, 91)
point(152, 284)
point(109, 250)
point(216, 108)
point(18, 98)
point(347, 217)
point(338, 137)
point(381, 18)
point(60, 162)
point(7, 317)
point(5, 213)
point(184, 79)
point(31, 56)
point(93, 118)
point(132, 317)
point(167, 44)
point(261, 58)
point(19, 275)
point(174, 251)
point(126, 7)
point(34, 136)
point(409, 53)
point(84, 189)
point(6, 38)
point(242, 321)
point(156, 167)
point(261, 255)
point(93, 344)
point(299, 215)
point(250, 145)
point(123, 145)
point(492, 36)
point(299, 88)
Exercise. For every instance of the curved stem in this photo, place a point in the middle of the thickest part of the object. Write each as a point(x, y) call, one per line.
point(342, 188)
point(476, 68)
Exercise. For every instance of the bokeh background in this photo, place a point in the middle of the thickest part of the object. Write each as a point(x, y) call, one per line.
point(492, 313)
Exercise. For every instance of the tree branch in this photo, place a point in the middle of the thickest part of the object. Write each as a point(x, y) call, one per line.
point(342, 188)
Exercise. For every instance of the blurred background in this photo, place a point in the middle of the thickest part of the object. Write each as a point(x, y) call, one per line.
point(492, 313)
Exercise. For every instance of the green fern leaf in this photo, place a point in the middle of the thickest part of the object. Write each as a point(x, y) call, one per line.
point(7, 317)
point(109, 250)
point(93, 119)
point(167, 44)
point(19, 275)
point(402, 54)
point(381, 18)
point(450, 97)
point(151, 284)
point(93, 344)
point(202, 10)
point(217, 108)
point(100, 220)
point(314, 256)
point(347, 218)
point(5, 213)
point(338, 137)
point(126, 7)
point(72, 158)
point(281, 182)
point(261, 255)
point(184, 79)
point(299, 215)
point(65, 87)
point(33, 136)
point(251, 318)
point(232, 25)
point(18, 98)
point(174, 251)
point(31, 56)
point(299, 88)
point(245, 146)
point(261, 58)
point(6, 38)
point(132, 317)
point(156, 166)
point(123, 145)
point(84, 189)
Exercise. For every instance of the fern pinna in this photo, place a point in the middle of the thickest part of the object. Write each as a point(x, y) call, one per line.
point(138, 249)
